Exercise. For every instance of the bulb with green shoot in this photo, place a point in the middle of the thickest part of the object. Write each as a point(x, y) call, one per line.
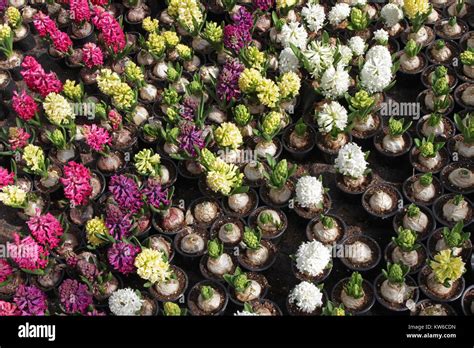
point(394, 140)
point(394, 288)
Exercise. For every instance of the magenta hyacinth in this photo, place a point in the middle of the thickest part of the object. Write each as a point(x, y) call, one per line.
point(118, 223)
point(96, 137)
point(8, 309)
point(30, 300)
point(126, 193)
point(188, 108)
point(27, 253)
point(264, 5)
point(79, 10)
point(6, 178)
point(37, 79)
point(189, 137)
point(228, 81)
point(74, 296)
point(112, 33)
point(92, 55)
point(155, 194)
point(76, 181)
point(122, 255)
point(243, 19)
point(6, 270)
point(235, 38)
point(24, 105)
point(46, 230)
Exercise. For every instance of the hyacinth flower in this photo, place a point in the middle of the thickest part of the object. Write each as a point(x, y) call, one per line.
point(221, 177)
point(26, 108)
point(188, 14)
point(46, 230)
point(76, 181)
point(35, 260)
point(92, 55)
point(37, 79)
point(227, 86)
point(36, 163)
point(31, 301)
point(6, 40)
point(97, 138)
point(80, 11)
point(73, 91)
point(214, 34)
point(126, 193)
point(123, 96)
point(158, 198)
point(113, 36)
point(121, 256)
point(17, 138)
point(6, 178)
point(74, 296)
point(147, 163)
point(118, 223)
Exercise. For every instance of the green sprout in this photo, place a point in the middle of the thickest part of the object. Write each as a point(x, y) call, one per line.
point(406, 240)
point(455, 237)
point(412, 49)
point(427, 146)
point(466, 127)
point(353, 287)
point(426, 179)
point(279, 173)
point(252, 238)
point(239, 280)
point(396, 128)
point(396, 273)
point(207, 292)
point(332, 310)
point(215, 248)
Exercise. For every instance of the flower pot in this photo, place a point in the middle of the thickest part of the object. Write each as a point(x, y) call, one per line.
point(184, 171)
point(455, 293)
point(169, 224)
point(438, 211)
point(257, 277)
point(272, 232)
point(309, 278)
point(422, 257)
point(378, 144)
point(245, 262)
point(448, 128)
point(449, 185)
point(389, 190)
point(39, 183)
point(311, 213)
point(183, 285)
point(409, 193)
point(425, 109)
point(341, 229)
point(25, 43)
point(426, 78)
point(113, 164)
point(161, 243)
point(265, 195)
point(431, 53)
point(136, 25)
point(7, 85)
point(426, 307)
point(430, 33)
point(444, 160)
point(229, 242)
point(302, 152)
point(196, 238)
point(412, 74)
point(369, 299)
point(193, 299)
point(466, 301)
point(330, 153)
point(353, 254)
point(430, 227)
point(235, 209)
point(432, 243)
point(453, 151)
point(369, 133)
point(341, 185)
point(440, 32)
point(397, 307)
point(206, 273)
point(13, 65)
point(80, 35)
point(203, 212)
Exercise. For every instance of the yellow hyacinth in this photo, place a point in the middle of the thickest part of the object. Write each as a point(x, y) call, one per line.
point(414, 7)
point(268, 93)
point(223, 177)
point(289, 85)
point(95, 228)
point(13, 196)
point(150, 25)
point(147, 162)
point(5, 32)
point(249, 79)
point(228, 135)
point(187, 12)
point(72, 90)
point(107, 80)
point(13, 17)
point(123, 96)
point(152, 266)
point(57, 109)
point(171, 38)
point(34, 158)
point(156, 44)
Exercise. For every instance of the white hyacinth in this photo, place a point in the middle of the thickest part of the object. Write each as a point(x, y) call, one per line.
point(306, 296)
point(293, 33)
point(309, 191)
point(391, 14)
point(125, 302)
point(339, 13)
point(312, 258)
point(376, 74)
point(351, 161)
point(357, 45)
point(320, 56)
point(314, 16)
point(332, 116)
point(381, 35)
point(335, 82)
point(288, 61)
point(346, 55)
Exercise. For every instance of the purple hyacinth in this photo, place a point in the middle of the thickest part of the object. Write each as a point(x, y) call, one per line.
point(236, 38)
point(122, 255)
point(189, 137)
point(126, 193)
point(74, 296)
point(263, 5)
point(188, 108)
point(155, 194)
point(87, 269)
point(3, 5)
point(30, 300)
point(228, 80)
point(243, 19)
point(118, 223)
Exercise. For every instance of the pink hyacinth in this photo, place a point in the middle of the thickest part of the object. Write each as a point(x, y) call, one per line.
point(8, 309)
point(264, 5)
point(43, 24)
point(27, 253)
point(115, 119)
point(76, 181)
point(112, 33)
point(96, 137)
point(17, 138)
point(61, 41)
point(37, 79)
point(99, 2)
point(80, 10)
point(5, 270)
point(24, 105)
point(92, 55)
point(46, 230)
point(6, 178)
